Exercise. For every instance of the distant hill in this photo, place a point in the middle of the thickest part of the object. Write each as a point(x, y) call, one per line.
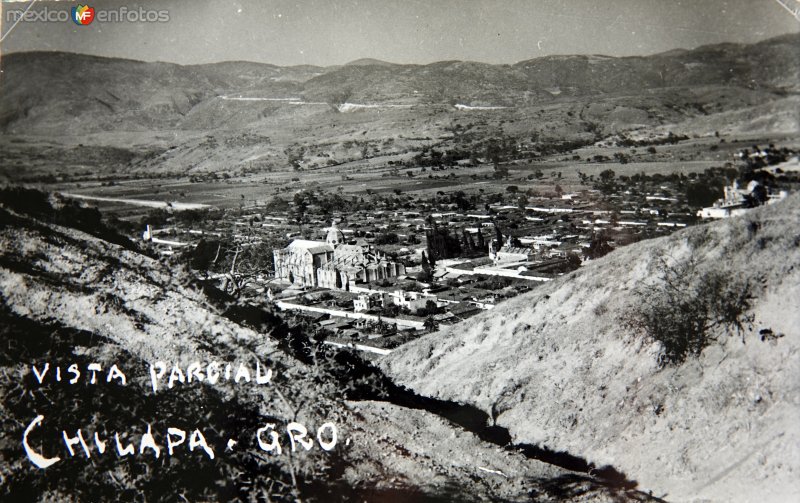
point(771, 64)
point(62, 92)
point(573, 365)
point(368, 62)
point(54, 93)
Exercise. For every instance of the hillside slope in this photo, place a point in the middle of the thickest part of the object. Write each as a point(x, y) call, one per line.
point(67, 296)
point(566, 367)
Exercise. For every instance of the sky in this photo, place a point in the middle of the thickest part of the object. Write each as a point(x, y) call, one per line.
point(331, 32)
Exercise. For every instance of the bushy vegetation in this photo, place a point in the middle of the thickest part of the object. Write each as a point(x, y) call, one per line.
point(687, 306)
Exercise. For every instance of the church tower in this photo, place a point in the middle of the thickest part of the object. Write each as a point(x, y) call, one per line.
point(335, 236)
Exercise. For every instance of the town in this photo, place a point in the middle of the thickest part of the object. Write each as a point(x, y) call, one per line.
point(374, 271)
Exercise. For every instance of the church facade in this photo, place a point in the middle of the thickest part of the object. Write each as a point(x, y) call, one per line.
point(332, 263)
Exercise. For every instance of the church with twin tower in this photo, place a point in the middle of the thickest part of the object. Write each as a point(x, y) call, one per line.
point(332, 263)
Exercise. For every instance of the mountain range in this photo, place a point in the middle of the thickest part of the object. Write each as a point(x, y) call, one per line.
point(60, 92)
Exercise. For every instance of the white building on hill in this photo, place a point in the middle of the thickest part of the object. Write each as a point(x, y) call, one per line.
point(735, 203)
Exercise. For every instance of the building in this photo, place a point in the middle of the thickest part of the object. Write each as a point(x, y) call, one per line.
point(509, 253)
point(737, 201)
point(365, 302)
point(298, 263)
point(332, 263)
point(412, 301)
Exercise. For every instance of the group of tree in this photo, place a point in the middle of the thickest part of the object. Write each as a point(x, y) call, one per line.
point(430, 157)
point(500, 150)
point(473, 245)
point(763, 157)
point(700, 195)
point(751, 170)
point(430, 309)
point(441, 243)
point(607, 183)
point(670, 139)
point(387, 238)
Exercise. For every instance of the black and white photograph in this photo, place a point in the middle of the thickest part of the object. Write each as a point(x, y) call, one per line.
point(400, 251)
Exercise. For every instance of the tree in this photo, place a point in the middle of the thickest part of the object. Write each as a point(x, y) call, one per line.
point(607, 175)
point(277, 204)
point(427, 273)
point(573, 261)
point(498, 235)
point(387, 238)
point(239, 261)
point(622, 157)
point(460, 199)
point(607, 184)
point(702, 194)
point(757, 197)
point(467, 244)
point(203, 254)
point(493, 153)
point(431, 325)
point(500, 172)
point(598, 246)
point(247, 263)
point(481, 241)
point(300, 207)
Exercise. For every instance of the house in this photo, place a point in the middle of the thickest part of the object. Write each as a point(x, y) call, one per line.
point(365, 302)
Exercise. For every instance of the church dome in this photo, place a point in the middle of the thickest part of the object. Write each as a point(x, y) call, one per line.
point(335, 236)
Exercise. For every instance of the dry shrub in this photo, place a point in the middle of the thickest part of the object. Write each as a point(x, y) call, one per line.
point(685, 306)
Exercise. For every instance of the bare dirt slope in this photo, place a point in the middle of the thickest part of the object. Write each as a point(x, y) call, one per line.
point(564, 366)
